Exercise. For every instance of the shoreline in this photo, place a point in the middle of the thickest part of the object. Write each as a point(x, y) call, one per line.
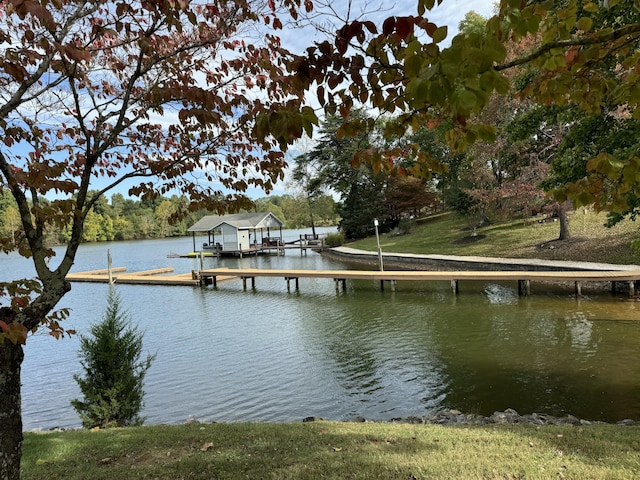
point(473, 263)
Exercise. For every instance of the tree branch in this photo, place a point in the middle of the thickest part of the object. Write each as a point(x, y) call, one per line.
point(578, 42)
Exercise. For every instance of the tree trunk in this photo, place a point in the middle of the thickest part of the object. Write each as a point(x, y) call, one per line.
point(563, 218)
point(11, 357)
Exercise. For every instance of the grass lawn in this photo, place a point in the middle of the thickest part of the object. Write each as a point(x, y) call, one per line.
point(335, 450)
point(449, 234)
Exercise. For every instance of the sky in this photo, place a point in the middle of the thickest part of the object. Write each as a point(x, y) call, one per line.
point(449, 13)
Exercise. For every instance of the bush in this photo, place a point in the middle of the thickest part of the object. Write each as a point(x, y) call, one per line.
point(406, 226)
point(334, 240)
point(113, 380)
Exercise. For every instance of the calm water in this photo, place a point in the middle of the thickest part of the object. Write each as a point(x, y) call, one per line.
point(272, 355)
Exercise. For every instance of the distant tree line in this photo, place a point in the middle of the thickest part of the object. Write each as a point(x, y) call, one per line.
point(132, 219)
point(296, 211)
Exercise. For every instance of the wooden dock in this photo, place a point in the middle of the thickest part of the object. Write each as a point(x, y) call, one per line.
point(161, 276)
point(523, 278)
point(157, 276)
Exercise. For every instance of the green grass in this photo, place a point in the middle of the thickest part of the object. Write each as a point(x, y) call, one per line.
point(449, 234)
point(335, 450)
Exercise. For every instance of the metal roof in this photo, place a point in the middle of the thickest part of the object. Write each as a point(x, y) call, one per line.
point(241, 221)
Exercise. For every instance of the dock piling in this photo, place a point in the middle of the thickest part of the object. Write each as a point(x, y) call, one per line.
point(524, 288)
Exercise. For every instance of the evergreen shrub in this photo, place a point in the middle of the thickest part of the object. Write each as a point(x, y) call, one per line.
point(114, 372)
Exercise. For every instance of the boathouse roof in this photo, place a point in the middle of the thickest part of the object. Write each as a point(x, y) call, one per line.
point(241, 221)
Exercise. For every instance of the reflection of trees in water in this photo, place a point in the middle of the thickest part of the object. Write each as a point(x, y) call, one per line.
point(380, 350)
point(419, 352)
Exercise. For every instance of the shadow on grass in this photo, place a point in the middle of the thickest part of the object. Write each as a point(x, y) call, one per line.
point(333, 450)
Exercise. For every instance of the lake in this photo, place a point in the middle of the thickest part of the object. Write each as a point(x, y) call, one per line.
point(268, 354)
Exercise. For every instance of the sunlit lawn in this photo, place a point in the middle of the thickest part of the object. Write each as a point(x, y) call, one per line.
point(449, 234)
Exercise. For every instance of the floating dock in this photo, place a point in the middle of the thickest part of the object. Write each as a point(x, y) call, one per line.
point(157, 276)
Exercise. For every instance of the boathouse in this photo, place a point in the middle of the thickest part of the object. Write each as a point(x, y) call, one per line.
point(238, 233)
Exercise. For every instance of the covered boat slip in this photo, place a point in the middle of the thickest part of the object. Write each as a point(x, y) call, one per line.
point(239, 234)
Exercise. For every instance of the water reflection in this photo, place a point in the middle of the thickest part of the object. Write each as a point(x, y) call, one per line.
point(271, 355)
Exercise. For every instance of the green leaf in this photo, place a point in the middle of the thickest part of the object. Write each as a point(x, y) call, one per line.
point(583, 199)
point(585, 24)
point(590, 7)
point(467, 100)
point(440, 34)
point(422, 93)
point(413, 65)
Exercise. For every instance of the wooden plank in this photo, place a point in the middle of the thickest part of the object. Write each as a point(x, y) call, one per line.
point(180, 279)
point(103, 271)
point(155, 271)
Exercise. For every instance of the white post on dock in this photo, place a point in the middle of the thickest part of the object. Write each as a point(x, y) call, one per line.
point(201, 260)
point(110, 275)
point(375, 223)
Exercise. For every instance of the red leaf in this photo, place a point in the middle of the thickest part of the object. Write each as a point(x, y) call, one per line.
point(388, 26)
point(369, 25)
point(404, 26)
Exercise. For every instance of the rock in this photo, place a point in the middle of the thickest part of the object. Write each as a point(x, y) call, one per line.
point(311, 419)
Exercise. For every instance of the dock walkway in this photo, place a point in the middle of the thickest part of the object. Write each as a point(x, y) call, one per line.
point(524, 278)
point(524, 275)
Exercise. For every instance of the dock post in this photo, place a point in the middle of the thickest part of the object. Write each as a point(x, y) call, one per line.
point(613, 288)
point(578, 289)
point(454, 287)
point(382, 285)
point(524, 288)
point(288, 279)
point(109, 273)
point(244, 283)
point(632, 288)
point(393, 285)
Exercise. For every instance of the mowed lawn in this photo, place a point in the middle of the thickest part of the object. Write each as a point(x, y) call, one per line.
point(536, 237)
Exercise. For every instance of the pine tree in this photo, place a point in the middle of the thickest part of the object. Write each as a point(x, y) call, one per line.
point(114, 372)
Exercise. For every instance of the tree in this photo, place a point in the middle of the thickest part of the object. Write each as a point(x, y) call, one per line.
point(586, 56)
point(158, 95)
point(330, 166)
point(114, 370)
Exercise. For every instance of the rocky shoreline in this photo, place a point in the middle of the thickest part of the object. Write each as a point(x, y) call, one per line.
point(509, 416)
